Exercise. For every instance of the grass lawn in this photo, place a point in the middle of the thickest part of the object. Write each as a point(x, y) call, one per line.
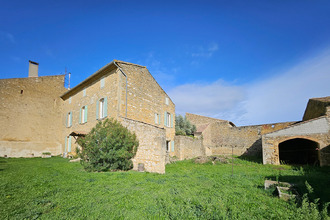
point(53, 188)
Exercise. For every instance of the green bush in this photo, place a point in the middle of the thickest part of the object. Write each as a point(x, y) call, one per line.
point(183, 126)
point(108, 146)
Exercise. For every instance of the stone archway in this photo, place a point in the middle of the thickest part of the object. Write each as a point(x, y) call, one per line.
point(299, 151)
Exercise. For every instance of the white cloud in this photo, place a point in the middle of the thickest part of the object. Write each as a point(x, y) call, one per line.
point(7, 37)
point(206, 99)
point(285, 96)
point(282, 97)
point(206, 51)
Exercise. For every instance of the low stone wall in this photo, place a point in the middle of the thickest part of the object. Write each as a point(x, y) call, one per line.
point(152, 145)
point(28, 149)
point(220, 139)
point(188, 147)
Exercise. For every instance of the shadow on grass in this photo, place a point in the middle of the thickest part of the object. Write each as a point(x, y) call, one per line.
point(255, 159)
point(317, 177)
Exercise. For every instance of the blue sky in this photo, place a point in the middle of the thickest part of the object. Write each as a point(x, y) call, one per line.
point(250, 62)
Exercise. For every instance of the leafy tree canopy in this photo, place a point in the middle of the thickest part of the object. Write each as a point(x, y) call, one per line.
point(108, 146)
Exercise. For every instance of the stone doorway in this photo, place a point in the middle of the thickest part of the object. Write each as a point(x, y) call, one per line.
point(299, 151)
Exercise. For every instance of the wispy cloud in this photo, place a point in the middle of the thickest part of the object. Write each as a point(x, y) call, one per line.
point(5, 36)
point(206, 99)
point(206, 52)
point(282, 97)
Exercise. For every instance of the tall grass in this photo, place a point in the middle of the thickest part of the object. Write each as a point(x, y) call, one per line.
point(52, 188)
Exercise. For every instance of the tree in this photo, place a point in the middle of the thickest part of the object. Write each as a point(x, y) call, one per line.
point(108, 146)
point(183, 126)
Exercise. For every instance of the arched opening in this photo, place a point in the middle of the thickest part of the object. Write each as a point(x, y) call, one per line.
point(299, 151)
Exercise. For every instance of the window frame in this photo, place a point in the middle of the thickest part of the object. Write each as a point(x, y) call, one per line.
point(69, 119)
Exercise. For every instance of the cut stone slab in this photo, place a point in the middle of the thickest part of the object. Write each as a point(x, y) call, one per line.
point(285, 196)
point(75, 160)
point(270, 183)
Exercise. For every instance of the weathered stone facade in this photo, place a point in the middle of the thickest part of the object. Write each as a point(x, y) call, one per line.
point(141, 99)
point(188, 147)
point(51, 116)
point(152, 145)
point(31, 115)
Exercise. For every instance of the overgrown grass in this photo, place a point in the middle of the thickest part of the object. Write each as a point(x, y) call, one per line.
point(52, 188)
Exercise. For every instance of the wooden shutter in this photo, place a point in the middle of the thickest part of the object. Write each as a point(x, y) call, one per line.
point(97, 109)
point(172, 145)
point(172, 120)
point(70, 119)
point(165, 119)
point(105, 107)
point(69, 144)
point(80, 116)
point(66, 144)
point(85, 115)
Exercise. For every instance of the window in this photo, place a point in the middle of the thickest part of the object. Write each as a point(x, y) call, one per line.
point(84, 92)
point(168, 119)
point(157, 118)
point(101, 108)
point(166, 100)
point(168, 147)
point(70, 100)
point(69, 119)
point(83, 115)
point(102, 82)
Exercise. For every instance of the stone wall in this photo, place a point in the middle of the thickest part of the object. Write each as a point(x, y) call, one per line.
point(145, 98)
point(316, 107)
point(202, 120)
point(152, 145)
point(188, 147)
point(89, 96)
point(31, 115)
point(221, 139)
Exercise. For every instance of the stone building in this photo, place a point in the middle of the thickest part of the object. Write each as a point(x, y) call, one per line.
point(221, 137)
point(306, 142)
point(43, 116)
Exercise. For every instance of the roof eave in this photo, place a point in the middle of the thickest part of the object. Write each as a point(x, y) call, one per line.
point(86, 81)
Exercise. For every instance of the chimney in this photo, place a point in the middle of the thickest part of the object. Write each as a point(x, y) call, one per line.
point(33, 69)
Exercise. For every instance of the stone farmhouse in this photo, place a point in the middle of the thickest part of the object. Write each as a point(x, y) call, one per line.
point(40, 115)
point(306, 141)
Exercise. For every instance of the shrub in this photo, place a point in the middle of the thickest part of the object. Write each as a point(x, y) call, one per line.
point(108, 146)
point(183, 126)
